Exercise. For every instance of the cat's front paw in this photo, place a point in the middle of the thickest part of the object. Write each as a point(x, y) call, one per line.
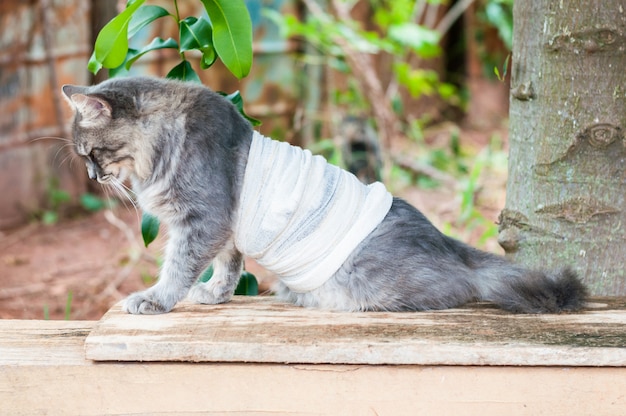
point(144, 303)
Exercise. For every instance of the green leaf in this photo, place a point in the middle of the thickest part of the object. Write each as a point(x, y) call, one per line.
point(425, 42)
point(206, 275)
point(157, 43)
point(149, 228)
point(232, 34)
point(122, 71)
point(197, 34)
point(505, 67)
point(184, 72)
point(112, 41)
point(236, 99)
point(501, 17)
point(92, 202)
point(143, 17)
point(360, 41)
point(417, 81)
point(248, 285)
point(93, 65)
point(497, 72)
point(58, 196)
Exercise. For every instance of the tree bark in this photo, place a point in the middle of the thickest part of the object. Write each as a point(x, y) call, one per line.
point(567, 179)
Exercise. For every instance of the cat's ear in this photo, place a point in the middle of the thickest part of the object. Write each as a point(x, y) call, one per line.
point(94, 111)
point(69, 90)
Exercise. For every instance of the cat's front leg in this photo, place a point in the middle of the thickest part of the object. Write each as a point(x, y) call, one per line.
point(227, 268)
point(187, 254)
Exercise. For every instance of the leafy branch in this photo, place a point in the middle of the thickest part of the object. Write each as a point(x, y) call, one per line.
point(226, 34)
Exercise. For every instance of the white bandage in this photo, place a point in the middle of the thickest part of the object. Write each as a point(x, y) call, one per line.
point(301, 217)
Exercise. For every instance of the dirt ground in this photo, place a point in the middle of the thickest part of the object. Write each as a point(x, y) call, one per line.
point(43, 267)
point(78, 268)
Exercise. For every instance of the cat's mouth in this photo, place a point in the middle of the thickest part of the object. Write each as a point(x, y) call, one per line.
point(115, 176)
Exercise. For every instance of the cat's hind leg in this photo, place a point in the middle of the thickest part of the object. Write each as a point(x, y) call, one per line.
point(227, 268)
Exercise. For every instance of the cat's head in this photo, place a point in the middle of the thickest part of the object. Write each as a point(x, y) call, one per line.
point(107, 131)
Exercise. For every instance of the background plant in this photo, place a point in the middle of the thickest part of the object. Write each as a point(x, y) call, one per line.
point(56, 199)
point(405, 30)
point(226, 34)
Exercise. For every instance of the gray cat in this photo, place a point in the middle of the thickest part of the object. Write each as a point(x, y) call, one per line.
point(225, 191)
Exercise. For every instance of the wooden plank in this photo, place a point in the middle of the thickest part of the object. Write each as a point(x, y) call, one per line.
point(264, 330)
point(43, 342)
point(273, 389)
point(43, 371)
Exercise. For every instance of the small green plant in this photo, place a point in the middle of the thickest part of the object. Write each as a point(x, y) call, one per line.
point(68, 308)
point(505, 69)
point(68, 305)
point(56, 198)
point(59, 198)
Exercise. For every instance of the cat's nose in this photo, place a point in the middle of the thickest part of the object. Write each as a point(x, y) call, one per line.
point(92, 175)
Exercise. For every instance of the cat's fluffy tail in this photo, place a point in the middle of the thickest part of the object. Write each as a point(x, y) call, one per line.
point(527, 291)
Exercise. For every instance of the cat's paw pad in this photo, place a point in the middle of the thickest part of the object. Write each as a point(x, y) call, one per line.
point(208, 294)
point(141, 303)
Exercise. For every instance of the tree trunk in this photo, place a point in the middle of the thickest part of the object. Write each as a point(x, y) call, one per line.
point(567, 179)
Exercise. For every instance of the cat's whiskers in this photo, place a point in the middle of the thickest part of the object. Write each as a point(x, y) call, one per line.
point(127, 191)
point(124, 196)
point(124, 193)
point(63, 139)
point(118, 194)
point(109, 197)
point(71, 156)
point(67, 143)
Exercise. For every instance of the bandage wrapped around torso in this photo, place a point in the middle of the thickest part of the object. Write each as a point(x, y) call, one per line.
point(301, 217)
